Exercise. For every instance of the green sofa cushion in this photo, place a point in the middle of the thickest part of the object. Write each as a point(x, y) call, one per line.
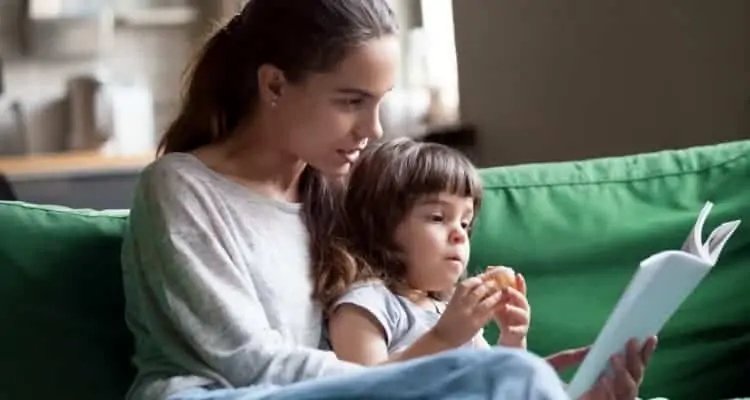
point(62, 333)
point(577, 231)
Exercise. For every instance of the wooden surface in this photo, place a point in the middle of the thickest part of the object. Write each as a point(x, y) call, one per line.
point(71, 163)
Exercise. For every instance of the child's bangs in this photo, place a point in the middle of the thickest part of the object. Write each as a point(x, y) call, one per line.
point(443, 170)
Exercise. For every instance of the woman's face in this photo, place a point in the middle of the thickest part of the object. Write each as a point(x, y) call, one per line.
point(329, 117)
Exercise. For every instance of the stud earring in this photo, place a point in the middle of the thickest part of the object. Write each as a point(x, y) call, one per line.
point(273, 103)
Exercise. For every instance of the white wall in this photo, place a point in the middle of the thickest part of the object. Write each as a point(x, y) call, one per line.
point(567, 79)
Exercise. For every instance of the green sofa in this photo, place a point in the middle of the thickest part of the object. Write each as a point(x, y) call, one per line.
point(577, 231)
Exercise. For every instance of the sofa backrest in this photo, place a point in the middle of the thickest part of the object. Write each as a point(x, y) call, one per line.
point(578, 230)
point(62, 333)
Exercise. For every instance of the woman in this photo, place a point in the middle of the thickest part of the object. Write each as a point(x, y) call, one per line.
point(225, 227)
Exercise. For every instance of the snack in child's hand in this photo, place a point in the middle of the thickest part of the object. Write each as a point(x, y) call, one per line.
point(500, 278)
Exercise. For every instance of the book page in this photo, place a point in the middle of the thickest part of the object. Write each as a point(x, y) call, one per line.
point(718, 238)
point(694, 242)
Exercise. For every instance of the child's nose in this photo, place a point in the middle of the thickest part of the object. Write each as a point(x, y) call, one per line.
point(458, 236)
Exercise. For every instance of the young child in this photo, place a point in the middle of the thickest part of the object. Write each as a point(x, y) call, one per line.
point(391, 290)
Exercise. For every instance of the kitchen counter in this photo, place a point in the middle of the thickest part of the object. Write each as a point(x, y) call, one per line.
point(85, 163)
point(76, 179)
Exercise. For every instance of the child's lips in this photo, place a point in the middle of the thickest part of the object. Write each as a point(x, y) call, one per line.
point(455, 260)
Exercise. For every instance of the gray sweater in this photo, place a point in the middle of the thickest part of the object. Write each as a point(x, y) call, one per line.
point(217, 285)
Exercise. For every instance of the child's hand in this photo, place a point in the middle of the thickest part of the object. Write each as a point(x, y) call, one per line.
point(513, 315)
point(472, 305)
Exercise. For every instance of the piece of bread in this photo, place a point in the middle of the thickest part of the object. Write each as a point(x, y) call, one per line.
point(500, 278)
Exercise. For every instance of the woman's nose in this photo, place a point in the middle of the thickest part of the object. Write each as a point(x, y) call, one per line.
point(370, 127)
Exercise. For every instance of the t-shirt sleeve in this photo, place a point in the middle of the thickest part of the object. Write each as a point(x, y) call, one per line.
point(380, 303)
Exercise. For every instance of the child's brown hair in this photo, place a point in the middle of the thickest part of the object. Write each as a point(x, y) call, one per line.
point(384, 185)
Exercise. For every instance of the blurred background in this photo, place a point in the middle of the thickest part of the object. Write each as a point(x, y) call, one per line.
point(88, 86)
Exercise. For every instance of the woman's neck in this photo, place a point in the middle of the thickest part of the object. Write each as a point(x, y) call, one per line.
point(252, 159)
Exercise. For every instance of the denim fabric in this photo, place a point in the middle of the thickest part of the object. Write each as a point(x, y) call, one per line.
point(467, 374)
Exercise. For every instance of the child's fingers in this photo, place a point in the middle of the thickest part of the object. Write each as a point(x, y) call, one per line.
point(512, 315)
point(516, 298)
point(466, 286)
point(518, 330)
point(489, 304)
point(521, 282)
point(478, 293)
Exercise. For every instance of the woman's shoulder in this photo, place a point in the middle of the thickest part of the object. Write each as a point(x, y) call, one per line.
point(177, 175)
point(174, 183)
point(173, 168)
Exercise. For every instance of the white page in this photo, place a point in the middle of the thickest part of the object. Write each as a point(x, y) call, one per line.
point(718, 238)
point(694, 242)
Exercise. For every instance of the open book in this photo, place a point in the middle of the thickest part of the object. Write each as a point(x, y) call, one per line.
point(660, 285)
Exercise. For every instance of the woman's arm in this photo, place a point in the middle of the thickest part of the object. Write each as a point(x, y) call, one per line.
point(198, 304)
point(358, 337)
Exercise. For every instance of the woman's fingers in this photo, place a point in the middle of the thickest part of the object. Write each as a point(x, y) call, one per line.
point(634, 360)
point(606, 390)
point(624, 383)
point(648, 349)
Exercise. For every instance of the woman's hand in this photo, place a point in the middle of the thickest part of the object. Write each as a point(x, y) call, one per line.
point(628, 370)
point(513, 315)
point(470, 308)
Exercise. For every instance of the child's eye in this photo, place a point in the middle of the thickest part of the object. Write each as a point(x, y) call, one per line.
point(436, 218)
point(465, 225)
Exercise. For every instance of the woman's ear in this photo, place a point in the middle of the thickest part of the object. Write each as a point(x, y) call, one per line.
point(271, 83)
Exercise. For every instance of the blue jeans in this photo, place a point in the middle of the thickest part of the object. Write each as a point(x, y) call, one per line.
point(459, 374)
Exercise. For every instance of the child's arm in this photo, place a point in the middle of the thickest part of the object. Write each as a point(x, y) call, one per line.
point(356, 336)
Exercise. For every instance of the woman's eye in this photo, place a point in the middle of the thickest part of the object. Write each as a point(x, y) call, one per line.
point(353, 103)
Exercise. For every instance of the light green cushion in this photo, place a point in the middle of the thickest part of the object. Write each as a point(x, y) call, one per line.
point(62, 333)
point(577, 231)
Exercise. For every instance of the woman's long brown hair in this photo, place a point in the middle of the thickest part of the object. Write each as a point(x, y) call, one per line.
point(297, 36)
point(384, 186)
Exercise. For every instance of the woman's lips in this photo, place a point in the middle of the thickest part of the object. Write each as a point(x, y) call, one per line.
point(350, 155)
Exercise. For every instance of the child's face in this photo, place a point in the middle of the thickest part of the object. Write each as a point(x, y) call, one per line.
point(435, 240)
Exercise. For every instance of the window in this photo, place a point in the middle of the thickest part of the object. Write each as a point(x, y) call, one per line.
point(440, 49)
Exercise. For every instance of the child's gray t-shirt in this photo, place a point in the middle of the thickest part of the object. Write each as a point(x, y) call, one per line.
point(402, 321)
